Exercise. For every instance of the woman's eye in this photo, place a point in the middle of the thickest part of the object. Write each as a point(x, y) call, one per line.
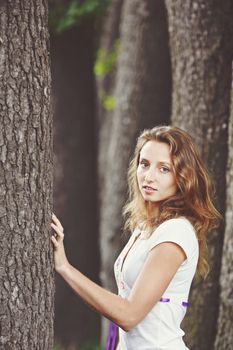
point(143, 164)
point(164, 169)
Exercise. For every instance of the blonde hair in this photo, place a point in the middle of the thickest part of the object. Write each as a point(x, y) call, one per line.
point(194, 196)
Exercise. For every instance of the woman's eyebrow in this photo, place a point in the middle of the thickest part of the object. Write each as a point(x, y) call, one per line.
point(159, 162)
point(163, 162)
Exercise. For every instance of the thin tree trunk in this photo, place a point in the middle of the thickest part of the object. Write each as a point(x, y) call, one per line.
point(75, 176)
point(26, 265)
point(201, 61)
point(224, 338)
point(105, 85)
point(108, 35)
point(142, 99)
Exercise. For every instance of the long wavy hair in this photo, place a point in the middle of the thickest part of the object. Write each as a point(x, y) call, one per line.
point(194, 196)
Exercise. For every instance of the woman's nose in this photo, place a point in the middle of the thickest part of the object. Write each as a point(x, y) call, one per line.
point(150, 175)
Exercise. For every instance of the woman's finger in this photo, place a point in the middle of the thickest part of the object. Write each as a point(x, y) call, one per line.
point(58, 231)
point(55, 243)
point(57, 222)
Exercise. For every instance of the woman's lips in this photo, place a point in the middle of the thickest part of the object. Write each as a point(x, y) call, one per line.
point(149, 189)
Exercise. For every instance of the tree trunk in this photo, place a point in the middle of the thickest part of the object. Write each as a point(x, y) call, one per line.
point(224, 338)
point(201, 61)
point(142, 100)
point(108, 35)
point(105, 85)
point(26, 269)
point(75, 177)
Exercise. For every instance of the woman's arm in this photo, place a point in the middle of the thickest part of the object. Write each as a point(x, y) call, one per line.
point(159, 268)
point(108, 304)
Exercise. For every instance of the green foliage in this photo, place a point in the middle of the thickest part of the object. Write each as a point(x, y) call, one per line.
point(108, 101)
point(63, 15)
point(57, 347)
point(92, 345)
point(106, 61)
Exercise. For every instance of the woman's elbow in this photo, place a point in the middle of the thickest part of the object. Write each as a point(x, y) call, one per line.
point(126, 327)
point(128, 317)
point(128, 323)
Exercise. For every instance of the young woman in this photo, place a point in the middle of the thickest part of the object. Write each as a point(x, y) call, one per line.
point(169, 213)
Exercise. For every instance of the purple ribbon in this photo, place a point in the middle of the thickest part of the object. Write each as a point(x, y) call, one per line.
point(185, 303)
point(112, 334)
point(166, 300)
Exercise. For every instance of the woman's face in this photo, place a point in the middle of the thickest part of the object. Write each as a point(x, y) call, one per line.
point(156, 180)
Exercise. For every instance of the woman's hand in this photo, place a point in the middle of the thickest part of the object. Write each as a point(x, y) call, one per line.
point(60, 259)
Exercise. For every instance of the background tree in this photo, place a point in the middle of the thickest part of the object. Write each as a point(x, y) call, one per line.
point(142, 100)
point(105, 71)
point(75, 174)
point(201, 52)
point(26, 269)
point(224, 338)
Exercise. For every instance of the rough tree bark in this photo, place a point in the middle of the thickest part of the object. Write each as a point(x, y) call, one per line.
point(142, 93)
point(75, 176)
point(201, 61)
point(224, 338)
point(26, 265)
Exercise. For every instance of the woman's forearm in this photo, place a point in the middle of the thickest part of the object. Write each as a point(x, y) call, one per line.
point(108, 304)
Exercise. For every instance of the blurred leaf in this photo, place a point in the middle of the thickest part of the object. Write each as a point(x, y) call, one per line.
point(92, 345)
point(106, 61)
point(65, 15)
point(109, 102)
point(57, 347)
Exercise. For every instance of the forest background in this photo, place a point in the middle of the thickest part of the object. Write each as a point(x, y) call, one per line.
point(75, 93)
